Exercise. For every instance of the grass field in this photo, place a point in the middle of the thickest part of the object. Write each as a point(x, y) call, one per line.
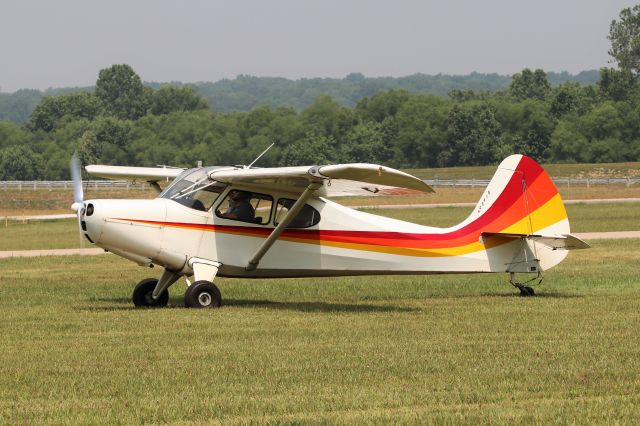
point(410, 349)
point(50, 234)
point(433, 349)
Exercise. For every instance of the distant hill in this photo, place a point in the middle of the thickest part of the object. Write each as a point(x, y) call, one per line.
point(246, 92)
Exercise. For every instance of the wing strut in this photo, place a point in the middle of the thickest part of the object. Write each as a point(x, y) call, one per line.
point(277, 231)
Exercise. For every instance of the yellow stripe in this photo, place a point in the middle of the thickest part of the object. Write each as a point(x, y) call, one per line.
point(404, 251)
point(550, 213)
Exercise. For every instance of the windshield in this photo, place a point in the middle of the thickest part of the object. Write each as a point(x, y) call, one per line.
point(194, 189)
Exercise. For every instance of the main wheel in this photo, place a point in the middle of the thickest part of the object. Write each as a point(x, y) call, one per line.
point(143, 291)
point(202, 294)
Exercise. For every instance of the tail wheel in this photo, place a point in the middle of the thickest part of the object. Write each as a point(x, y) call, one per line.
point(202, 294)
point(142, 294)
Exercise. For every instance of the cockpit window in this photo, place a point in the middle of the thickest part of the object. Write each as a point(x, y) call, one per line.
point(194, 189)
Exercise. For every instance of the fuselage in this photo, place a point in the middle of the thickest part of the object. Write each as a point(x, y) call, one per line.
point(344, 242)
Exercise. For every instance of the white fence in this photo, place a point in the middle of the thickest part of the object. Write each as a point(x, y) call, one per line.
point(127, 185)
point(68, 185)
point(563, 182)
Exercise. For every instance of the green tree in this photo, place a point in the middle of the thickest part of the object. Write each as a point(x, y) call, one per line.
point(459, 95)
point(122, 93)
point(19, 163)
point(365, 143)
point(616, 85)
point(256, 122)
point(170, 99)
point(110, 130)
point(12, 134)
point(568, 144)
point(602, 122)
point(535, 130)
point(530, 85)
point(328, 118)
point(624, 35)
point(314, 148)
point(608, 150)
point(17, 106)
point(382, 105)
point(421, 128)
point(53, 110)
point(568, 98)
point(474, 136)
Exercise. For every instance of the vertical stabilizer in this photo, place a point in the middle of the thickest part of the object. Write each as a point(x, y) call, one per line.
point(520, 199)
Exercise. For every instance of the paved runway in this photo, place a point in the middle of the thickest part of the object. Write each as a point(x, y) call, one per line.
point(54, 252)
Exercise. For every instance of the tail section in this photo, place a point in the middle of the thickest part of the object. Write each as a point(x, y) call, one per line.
point(521, 202)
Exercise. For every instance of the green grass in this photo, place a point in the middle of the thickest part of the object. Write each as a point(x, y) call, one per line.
point(49, 234)
point(433, 349)
point(39, 234)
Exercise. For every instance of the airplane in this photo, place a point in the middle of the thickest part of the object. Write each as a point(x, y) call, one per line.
point(291, 229)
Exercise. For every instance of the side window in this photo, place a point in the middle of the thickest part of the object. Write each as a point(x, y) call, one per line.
point(246, 206)
point(307, 217)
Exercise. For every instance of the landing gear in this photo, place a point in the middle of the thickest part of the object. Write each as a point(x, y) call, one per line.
point(152, 293)
point(202, 294)
point(525, 291)
point(143, 294)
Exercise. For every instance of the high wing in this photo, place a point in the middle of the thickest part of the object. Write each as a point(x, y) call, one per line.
point(146, 174)
point(336, 180)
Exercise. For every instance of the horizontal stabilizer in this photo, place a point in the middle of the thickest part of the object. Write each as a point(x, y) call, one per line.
point(556, 242)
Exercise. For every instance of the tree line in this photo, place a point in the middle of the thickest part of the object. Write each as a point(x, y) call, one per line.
point(245, 92)
point(125, 122)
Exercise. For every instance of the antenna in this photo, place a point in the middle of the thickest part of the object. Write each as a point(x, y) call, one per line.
point(257, 158)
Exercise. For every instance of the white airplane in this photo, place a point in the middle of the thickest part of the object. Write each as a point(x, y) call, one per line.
point(277, 222)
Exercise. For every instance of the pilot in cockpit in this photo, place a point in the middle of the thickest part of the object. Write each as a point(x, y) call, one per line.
point(239, 206)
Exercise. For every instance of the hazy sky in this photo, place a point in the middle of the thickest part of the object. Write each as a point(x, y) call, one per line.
point(56, 43)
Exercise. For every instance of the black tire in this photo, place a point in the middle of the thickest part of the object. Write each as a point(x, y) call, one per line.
point(526, 291)
point(142, 295)
point(202, 294)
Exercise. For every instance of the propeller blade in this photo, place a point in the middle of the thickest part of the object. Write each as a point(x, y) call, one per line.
point(76, 177)
point(78, 202)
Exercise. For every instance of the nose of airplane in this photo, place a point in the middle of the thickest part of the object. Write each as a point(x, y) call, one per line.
point(91, 221)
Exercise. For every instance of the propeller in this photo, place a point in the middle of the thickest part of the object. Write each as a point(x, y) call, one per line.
point(78, 195)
